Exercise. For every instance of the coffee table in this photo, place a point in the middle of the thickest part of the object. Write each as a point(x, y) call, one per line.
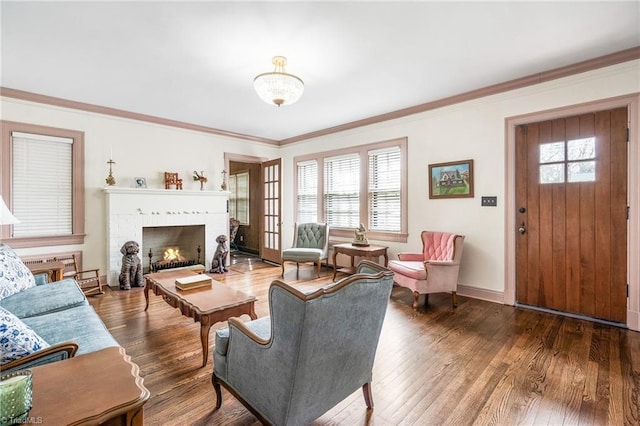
point(101, 387)
point(205, 305)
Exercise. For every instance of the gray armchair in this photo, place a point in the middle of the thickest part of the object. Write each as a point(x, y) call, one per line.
point(310, 244)
point(311, 353)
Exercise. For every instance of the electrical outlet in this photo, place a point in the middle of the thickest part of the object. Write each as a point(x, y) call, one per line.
point(241, 238)
point(489, 201)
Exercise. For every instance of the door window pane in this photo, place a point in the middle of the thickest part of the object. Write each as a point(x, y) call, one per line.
point(581, 149)
point(552, 173)
point(583, 171)
point(551, 152)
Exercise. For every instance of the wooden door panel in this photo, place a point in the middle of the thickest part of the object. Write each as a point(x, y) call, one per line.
point(572, 256)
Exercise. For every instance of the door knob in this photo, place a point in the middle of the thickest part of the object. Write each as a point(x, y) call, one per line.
point(522, 230)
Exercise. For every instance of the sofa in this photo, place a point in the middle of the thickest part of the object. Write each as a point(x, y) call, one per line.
point(43, 322)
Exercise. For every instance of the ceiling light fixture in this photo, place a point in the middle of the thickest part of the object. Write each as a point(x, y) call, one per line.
point(278, 87)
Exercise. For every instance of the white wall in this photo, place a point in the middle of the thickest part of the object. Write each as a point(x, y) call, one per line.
point(470, 130)
point(139, 149)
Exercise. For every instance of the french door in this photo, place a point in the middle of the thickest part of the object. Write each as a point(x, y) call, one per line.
point(571, 213)
point(271, 211)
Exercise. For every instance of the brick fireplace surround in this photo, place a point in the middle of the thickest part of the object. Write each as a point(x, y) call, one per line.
point(129, 210)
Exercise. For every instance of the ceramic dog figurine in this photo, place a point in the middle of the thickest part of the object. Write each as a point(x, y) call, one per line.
point(218, 263)
point(131, 272)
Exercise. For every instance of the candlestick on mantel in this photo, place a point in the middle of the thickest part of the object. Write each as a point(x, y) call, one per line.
point(111, 181)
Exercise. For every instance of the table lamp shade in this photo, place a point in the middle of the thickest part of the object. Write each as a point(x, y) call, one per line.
point(6, 218)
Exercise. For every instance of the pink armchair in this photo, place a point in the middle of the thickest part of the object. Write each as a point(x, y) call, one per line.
point(435, 270)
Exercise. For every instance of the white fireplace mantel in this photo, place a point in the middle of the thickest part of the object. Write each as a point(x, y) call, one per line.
point(129, 210)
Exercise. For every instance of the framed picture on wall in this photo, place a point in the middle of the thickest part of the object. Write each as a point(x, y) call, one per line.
point(451, 180)
point(140, 182)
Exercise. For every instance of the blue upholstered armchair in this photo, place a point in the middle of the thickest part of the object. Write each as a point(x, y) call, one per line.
point(310, 244)
point(311, 353)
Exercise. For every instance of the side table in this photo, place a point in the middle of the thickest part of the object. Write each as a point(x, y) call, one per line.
point(53, 269)
point(101, 387)
point(368, 252)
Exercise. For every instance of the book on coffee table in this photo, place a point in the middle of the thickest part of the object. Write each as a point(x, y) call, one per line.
point(193, 281)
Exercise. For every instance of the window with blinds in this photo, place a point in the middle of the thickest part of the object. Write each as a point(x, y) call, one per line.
point(384, 189)
point(342, 191)
point(307, 195)
point(239, 197)
point(42, 185)
point(361, 184)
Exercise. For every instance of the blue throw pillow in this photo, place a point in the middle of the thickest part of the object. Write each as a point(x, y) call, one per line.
point(16, 338)
point(14, 275)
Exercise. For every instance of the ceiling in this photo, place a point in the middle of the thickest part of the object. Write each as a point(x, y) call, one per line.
point(195, 62)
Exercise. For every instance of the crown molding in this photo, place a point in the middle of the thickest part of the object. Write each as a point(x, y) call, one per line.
point(98, 109)
point(577, 68)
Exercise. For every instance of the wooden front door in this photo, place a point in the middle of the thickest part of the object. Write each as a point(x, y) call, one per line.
point(571, 214)
point(271, 239)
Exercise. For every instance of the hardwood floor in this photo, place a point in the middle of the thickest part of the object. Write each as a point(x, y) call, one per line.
point(478, 364)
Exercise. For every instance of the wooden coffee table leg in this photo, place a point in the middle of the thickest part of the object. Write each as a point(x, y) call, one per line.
point(205, 326)
point(146, 295)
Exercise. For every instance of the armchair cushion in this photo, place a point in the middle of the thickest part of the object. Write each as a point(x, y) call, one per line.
point(261, 327)
point(14, 274)
point(302, 254)
point(16, 338)
point(412, 269)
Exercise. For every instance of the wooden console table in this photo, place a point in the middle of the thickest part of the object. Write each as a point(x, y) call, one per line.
point(368, 252)
point(53, 269)
point(101, 387)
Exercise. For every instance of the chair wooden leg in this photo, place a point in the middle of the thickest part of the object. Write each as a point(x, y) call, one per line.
point(416, 295)
point(454, 298)
point(318, 269)
point(216, 387)
point(426, 299)
point(368, 396)
point(282, 264)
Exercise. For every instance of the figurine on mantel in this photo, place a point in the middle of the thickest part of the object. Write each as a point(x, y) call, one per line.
point(199, 177)
point(223, 185)
point(361, 237)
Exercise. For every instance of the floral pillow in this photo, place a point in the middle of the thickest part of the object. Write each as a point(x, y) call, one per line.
point(16, 338)
point(14, 275)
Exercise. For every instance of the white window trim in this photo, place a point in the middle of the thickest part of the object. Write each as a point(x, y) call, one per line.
point(363, 151)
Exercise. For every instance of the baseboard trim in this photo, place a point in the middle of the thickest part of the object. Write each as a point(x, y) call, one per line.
point(481, 293)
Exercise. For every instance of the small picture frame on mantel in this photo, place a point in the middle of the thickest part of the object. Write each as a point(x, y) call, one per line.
point(140, 182)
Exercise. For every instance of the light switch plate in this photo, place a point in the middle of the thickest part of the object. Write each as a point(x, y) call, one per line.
point(489, 201)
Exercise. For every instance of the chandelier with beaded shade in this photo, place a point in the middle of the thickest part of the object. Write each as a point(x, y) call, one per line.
point(278, 87)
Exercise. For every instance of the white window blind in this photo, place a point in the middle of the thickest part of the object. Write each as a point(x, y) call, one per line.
point(239, 197)
point(307, 191)
point(384, 189)
point(42, 185)
point(232, 197)
point(342, 191)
